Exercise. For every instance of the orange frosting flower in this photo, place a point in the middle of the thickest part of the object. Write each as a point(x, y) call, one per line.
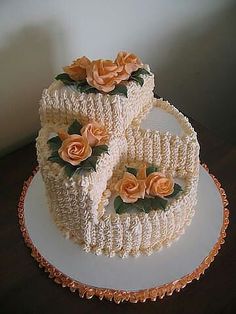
point(157, 184)
point(130, 188)
point(103, 75)
point(129, 63)
point(74, 149)
point(77, 70)
point(95, 133)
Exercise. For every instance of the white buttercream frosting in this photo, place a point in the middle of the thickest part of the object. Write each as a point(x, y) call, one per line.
point(62, 104)
point(78, 204)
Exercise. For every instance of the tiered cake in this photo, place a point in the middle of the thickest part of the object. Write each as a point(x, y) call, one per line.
point(91, 150)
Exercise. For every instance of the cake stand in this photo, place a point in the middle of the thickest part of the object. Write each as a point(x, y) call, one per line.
point(131, 279)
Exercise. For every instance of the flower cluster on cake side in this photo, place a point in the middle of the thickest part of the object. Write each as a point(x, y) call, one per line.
point(144, 189)
point(104, 76)
point(79, 148)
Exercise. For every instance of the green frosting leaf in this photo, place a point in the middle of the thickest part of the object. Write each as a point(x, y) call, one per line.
point(132, 170)
point(144, 205)
point(89, 164)
point(159, 203)
point(99, 150)
point(84, 87)
point(81, 83)
point(139, 72)
point(136, 76)
point(69, 170)
point(151, 169)
point(65, 78)
point(54, 143)
point(56, 158)
point(138, 79)
point(118, 203)
point(177, 190)
point(75, 128)
point(119, 90)
point(120, 206)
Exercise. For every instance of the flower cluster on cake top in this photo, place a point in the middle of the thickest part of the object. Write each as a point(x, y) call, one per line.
point(79, 147)
point(104, 76)
point(144, 189)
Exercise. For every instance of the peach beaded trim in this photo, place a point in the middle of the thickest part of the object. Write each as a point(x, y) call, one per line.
point(119, 295)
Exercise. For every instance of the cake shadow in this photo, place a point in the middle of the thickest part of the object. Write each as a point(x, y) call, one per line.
point(27, 62)
point(196, 69)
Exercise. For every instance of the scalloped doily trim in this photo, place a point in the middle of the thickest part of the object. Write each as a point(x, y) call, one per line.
point(120, 295)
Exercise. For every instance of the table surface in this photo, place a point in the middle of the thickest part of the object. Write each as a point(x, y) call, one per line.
point(25, 288)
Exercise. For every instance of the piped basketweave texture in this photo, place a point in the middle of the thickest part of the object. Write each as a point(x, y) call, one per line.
point(78, 204)
point(62, 104)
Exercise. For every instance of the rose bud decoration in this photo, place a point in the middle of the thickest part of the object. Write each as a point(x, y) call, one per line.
point(95, 133)
point(77, 70)
point(74, 149)
point(157, 184)
point(130, 188)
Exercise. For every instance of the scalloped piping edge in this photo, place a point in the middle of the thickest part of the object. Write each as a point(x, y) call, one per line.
point(120, 295)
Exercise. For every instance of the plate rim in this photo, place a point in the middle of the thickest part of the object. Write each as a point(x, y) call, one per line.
point(154, 293)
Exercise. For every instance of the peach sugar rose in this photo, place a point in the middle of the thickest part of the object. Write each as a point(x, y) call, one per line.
point(129, 63)
point(77, 70)
point(74, 149)
point(130, 188)
point(95, 133)
point(157, 184)
point(103, 75)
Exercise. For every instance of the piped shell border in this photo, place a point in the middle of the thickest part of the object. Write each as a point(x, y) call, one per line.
point(121, 295)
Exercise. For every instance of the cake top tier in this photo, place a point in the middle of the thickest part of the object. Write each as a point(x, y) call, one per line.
point(110, 92)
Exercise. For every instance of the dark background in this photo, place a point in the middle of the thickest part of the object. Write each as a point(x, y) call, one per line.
point(25, 288)
point(190, 46)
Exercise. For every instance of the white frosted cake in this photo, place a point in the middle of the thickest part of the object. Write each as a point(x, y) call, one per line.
point(112, 186)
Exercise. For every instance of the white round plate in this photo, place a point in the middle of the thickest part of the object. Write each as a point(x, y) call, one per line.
point(131, 274)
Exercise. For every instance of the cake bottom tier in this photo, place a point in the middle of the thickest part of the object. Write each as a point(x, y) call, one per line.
point(129, 233)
